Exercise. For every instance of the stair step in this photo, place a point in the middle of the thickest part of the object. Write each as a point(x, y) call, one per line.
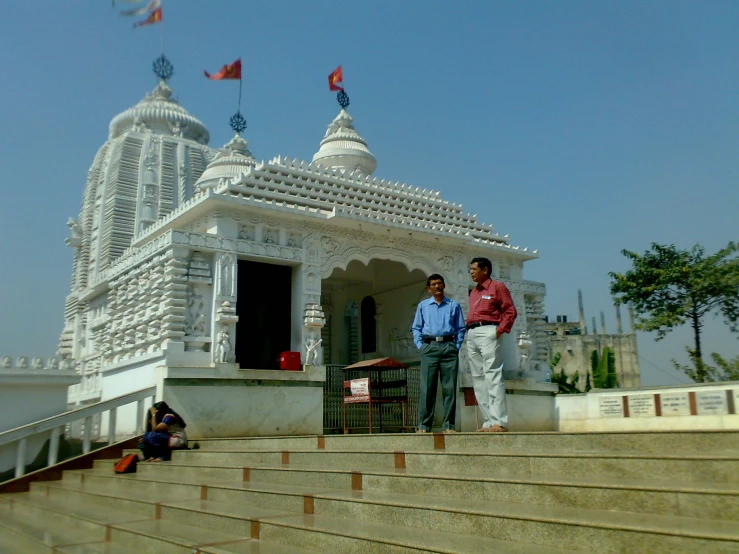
point(703, 500)
point(715, 468)
point(95, 548)
point(716, 441)
point(588, 529)
point(32, 525)
point(160, 535)
point(14, 543)
point(340, 534)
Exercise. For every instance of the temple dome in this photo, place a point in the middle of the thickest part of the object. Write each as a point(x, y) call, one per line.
point(232, 161)
point(160, 113)
point(343, 148)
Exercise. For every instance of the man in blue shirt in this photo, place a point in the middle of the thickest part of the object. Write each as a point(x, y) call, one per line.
point(438, 331)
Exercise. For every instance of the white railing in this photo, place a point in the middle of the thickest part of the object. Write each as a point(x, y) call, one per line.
point(55, 426)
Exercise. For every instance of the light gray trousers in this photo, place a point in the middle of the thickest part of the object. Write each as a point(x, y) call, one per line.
point(486, 366)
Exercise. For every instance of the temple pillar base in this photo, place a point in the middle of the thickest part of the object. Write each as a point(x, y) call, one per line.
point(246, 402)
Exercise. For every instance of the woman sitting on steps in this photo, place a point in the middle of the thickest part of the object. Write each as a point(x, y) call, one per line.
point(165, 431)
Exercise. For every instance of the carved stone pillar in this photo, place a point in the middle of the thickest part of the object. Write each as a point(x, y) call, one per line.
point(224, 308)
point(313, 322)
point(175, 292)
point(199, 304)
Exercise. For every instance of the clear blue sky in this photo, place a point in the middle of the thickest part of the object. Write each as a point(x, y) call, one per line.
point(580, 128)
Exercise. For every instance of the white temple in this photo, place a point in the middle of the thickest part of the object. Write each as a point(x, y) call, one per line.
point(194, 267)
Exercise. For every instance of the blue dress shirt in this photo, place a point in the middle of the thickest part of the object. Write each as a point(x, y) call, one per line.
point(437, 320)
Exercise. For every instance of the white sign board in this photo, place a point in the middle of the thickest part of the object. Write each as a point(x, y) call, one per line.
point(611, 406)
point(642, 405)
point(675, 403)
point(359, 391)
point(712, 402)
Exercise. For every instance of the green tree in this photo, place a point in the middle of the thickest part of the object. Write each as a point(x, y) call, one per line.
point(554, 361)
point(604, 369)
point(724, 370)
point(566, 385)
point(669, 287)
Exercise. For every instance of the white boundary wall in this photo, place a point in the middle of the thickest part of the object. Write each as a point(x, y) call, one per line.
point(683, 407)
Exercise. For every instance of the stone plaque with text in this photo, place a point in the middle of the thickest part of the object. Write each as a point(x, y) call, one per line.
point(675, 403)
point(611, 406)
point(712, 402)
point(642, 405)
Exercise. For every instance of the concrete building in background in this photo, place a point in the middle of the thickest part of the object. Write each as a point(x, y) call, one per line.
point(575, 342)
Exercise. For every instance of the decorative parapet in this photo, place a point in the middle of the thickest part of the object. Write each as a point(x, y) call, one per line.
point(36, 364)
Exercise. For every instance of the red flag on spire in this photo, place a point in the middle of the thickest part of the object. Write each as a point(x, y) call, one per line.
point(154, 17)
point(230, 71)
point(337, 76)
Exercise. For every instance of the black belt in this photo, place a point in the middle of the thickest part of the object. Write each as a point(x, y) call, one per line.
point(476, 324)
point(446, 338)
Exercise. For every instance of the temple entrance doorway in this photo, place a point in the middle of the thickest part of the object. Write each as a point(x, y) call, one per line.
point(368, 307)
point(264, 310)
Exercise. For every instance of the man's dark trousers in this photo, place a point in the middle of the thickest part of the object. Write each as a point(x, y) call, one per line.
point(438, 358)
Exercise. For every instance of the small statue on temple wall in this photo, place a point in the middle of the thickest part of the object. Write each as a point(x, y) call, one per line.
point(223, 347)
point(311, 350)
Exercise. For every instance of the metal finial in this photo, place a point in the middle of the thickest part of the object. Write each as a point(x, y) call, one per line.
point(163, 68)
point(343, 99)
point(238, 122)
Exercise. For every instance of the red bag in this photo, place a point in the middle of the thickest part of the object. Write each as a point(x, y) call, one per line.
point(127, 464)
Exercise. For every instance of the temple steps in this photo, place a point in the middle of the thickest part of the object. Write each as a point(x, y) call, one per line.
point(705, 500)
point(516, 492)
point(696, 442)
point(719, 468)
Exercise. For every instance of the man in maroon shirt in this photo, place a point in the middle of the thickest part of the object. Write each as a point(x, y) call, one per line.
point(491, 314)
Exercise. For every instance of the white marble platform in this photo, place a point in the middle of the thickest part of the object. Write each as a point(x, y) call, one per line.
point(237, 402)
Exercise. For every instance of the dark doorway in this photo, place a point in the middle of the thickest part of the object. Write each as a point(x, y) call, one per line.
point(264, 308)
point(368, 313)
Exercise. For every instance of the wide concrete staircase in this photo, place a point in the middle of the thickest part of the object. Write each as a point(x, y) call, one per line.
point(476, 493)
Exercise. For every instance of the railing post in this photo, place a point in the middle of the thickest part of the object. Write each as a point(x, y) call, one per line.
point(86, 434)
point(139, 416)
point(54, 445)
point(20, 458)
point(112, 416)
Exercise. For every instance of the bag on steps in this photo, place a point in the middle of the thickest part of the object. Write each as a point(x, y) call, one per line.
point(127, 464)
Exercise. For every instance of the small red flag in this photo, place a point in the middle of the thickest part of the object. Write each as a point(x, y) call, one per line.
point(154, 17)
point(337, 76)
point(230, 71)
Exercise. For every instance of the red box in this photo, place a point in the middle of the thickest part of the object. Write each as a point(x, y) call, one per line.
point(290, 361)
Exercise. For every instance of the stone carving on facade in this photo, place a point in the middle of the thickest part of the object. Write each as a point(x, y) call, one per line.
point(270, 237)
point(312, 350)
point(6, 362)
point(53, 364)
point(23, 362)
point(447, 265)
point(313, 321)
point(226, 281)
point(293, 240)
point(196, 313)
point(224, 354)
point(246, 232)
point(524, 354)
point(75, 233)
point(329, 245)
point(37, 364)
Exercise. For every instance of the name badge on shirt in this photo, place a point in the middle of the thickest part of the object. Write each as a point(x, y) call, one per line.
point(487, 297)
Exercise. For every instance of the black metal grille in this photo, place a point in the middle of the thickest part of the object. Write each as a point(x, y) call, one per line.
point(357, 415)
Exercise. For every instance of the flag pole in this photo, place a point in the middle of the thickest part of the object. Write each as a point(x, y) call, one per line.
point(161, 31)
point(240, 80)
